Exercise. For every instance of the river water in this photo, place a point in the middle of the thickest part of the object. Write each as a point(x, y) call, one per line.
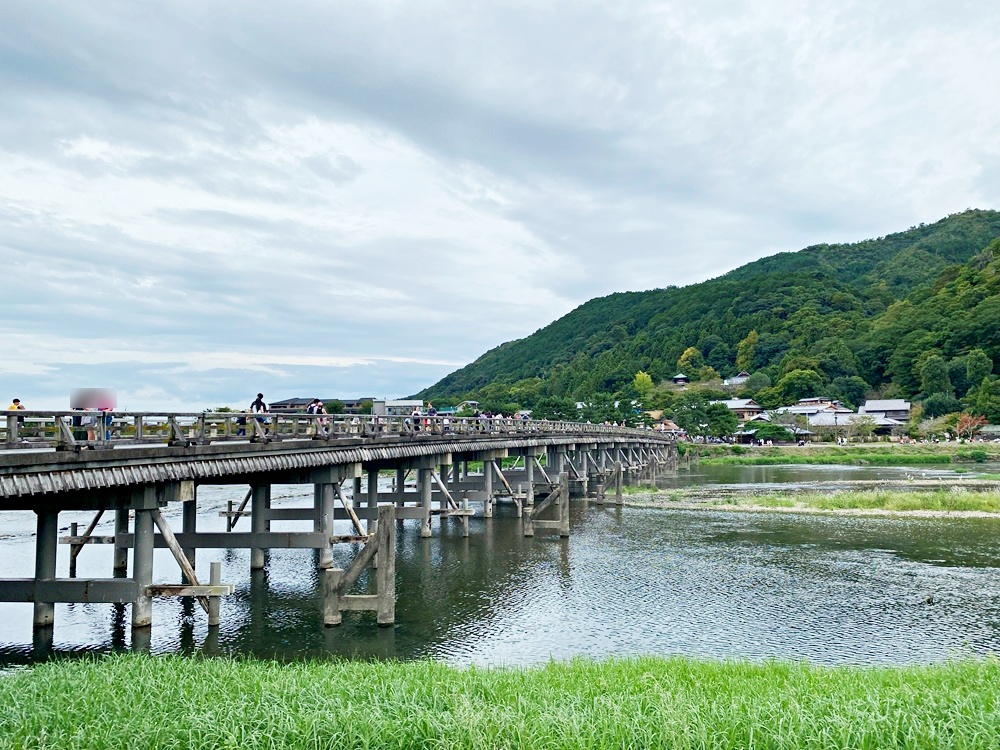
point(830, 589)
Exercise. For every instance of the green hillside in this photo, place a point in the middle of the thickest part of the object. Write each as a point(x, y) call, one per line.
point(863, 316)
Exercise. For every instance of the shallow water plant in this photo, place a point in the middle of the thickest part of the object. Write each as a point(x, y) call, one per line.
point(944, 500)
point(142, 701)
point(878, 454)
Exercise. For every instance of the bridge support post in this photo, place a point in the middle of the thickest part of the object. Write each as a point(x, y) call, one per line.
point(400, 486)
point(424, 483)
point(529, 480)
point(46, 541)
point(328, 496)
point(372, 500)
point(120, 568)
point(488, 486)
point(564, 504)
point(317, 506)
point(144, 502)
point(619, 480)
point(186, 493)
point(258, 521)
point(379, 551)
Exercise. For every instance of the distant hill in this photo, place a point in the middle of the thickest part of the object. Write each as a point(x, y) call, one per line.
point(843, 311)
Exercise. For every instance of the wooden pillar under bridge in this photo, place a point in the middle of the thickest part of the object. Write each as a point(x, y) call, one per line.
point(121, 552)
point(443, 471)
point(258, 521)
point(564, 508)
point(372, 500)
point(327, 492)
point(400, 486)
point(46, 543)
point(619, 479)
point(424, 484)
point(529, 479)
point(488, 486)
point(317, 506)
point(144, 502)
point(185, 493)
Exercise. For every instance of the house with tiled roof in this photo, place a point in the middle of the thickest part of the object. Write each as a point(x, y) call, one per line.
point(893, 408)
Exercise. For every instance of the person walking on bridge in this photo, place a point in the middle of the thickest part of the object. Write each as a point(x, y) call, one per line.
point(259, 407)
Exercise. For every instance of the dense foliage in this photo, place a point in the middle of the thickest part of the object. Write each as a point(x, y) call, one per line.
point(910, 315)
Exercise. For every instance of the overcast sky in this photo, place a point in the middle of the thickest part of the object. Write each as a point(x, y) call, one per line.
point(203, 200)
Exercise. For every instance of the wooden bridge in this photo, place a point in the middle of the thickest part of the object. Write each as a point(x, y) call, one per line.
point(134, 464)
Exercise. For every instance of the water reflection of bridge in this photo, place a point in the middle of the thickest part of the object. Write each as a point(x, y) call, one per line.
point(132, 465)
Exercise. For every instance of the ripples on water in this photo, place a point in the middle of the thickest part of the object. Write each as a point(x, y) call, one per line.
point(630, 581)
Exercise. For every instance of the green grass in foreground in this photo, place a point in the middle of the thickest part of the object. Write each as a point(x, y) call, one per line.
point(174, 702)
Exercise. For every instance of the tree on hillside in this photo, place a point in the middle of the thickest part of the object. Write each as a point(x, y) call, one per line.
point(934, 377)
point(604, 407)
point(745, 351)
point(798, 361)
point(693, 412)
point(835, 358)
point(643, 385)
point(939, 404)
point(851, 391)
point(958, 369)
point(755, 383)
point(555, 407)
point(977, 367)
point(718, 354)
point(987, 400)
point(721, 421)
point(799, 384)
point(690, 362)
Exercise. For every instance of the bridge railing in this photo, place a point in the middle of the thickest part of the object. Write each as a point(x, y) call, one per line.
point(27, 429)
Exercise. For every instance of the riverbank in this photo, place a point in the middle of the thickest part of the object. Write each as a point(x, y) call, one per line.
point(976, 499)
point(870, 454)
point(143, 701)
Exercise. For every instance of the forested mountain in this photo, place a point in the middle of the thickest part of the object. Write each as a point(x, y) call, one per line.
point(862, 318)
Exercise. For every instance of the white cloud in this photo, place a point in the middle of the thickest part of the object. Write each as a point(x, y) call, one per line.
point(368, 186)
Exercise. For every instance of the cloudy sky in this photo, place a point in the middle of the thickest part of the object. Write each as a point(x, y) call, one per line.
point(202, 200)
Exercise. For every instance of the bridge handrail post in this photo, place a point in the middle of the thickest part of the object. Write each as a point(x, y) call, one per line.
point(12, 431)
